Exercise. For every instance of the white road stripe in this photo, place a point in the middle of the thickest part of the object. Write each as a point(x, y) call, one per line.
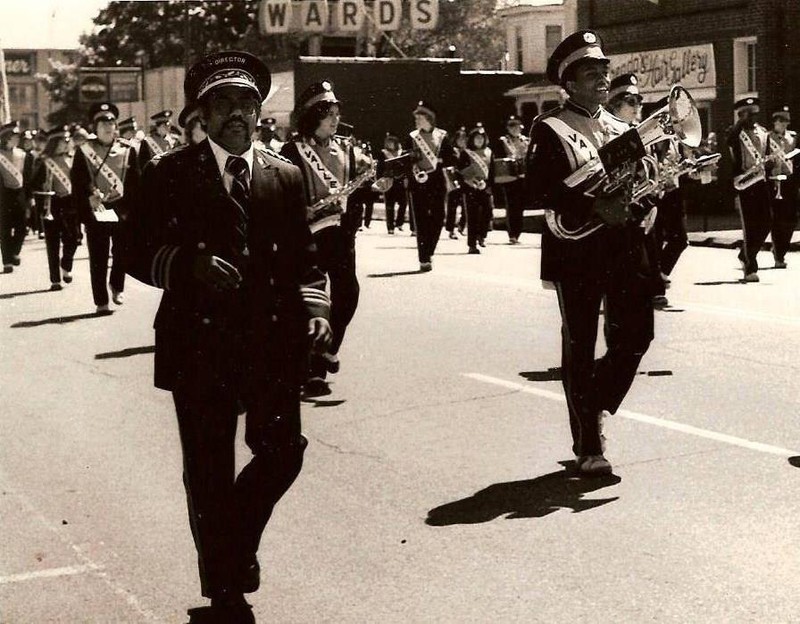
point(644, 418)
point(66, 571)
point(749, 315)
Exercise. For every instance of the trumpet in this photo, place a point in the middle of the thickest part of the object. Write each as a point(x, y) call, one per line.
point(758, 172)
point(678, 118)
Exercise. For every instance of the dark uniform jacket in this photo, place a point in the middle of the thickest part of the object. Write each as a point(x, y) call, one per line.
point(153, 145)
point(445, 155)
point(85, 176)
point(552, 156)
point(249, 340)
point(743, 159)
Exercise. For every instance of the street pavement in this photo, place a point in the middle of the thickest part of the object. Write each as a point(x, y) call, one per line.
point(437, 483)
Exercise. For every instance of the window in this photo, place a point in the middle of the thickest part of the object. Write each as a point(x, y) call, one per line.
point(22, 97)
point(552, 37)
point(518, 46)
point(744, 67)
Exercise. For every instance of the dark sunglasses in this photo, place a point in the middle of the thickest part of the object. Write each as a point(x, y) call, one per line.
point(632, 100)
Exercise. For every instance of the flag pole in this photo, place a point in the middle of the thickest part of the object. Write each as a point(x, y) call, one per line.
point(5, 109)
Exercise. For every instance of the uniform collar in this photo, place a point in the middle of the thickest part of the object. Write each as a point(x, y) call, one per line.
point(221, 156)
point(580, 110)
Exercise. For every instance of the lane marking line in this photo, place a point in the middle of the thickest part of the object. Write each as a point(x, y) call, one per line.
point(644, 418)
point(65, 571)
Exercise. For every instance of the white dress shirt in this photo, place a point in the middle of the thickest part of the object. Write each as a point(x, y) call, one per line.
point(221, 155)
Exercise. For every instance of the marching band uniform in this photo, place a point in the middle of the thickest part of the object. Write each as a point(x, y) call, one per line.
point(105, 185)
point(784, 208)
point(476, 167)
point(670, 225)
point(51, 183)
point(748, 143)
point(396, 195)
point(327, 166)
point(589, 261)
point(269, 135)
point(159, 141)
point(433, 151)
point(224, 351)
point(16, 167)
point(455, 198)
point(515, 146)
point(127, 131)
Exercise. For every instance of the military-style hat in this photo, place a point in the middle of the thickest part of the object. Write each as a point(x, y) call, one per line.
point(57, 133)
point(782, 113)
point(751, 103)
point(513, 120)
point(316, 93)
point(478, 129)
point(189, 112)
point(584, 44)
point(224, 69)
point(162, 117)
point(462, 131)
point(103, 111)
point(127, 124)
point(29, 134)
point(624, 83)
point(391, 137)
point(12, 127)
point(80, 133)
point(269, 123)
point(424, 108)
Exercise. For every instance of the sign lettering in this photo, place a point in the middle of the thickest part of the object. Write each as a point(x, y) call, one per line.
point(387, 14)
point(424, 14)
point(274, 16)
point(658, 70)
point(351, 15)
point(314, 15)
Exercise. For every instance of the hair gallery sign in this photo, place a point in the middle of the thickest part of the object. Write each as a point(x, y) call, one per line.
point(318, 16)
point(657, 70)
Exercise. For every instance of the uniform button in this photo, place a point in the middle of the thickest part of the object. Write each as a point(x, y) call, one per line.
point(271, 281)
point(206, 320)
point(274, 246)
point(274, 318)
point(201, 245)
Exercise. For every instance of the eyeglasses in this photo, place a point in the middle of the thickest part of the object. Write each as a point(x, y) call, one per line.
point(632, 100)
point(248, 105)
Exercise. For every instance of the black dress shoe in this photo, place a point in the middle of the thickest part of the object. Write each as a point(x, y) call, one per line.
point(249, 575)
point(15, 261)
point(222, 614)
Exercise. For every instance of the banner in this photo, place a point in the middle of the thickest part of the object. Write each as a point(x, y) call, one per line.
point(344, 16)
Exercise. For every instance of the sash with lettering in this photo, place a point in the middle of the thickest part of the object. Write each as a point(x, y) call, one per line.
point(115, 185)
point(785, 165)
point(63, 185)
point(331, 213)
point(155, 147)
point(756, 155)
point(10, 171)
point(479, 163)
point(427, 153)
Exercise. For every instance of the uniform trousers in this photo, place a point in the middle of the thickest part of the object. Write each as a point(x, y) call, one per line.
point(228, 513)
point(670, 229)
point(336, 256)
point(784, 217)
point(427, 203)
point(477, 203)
point(61, 237)
point(515, 195)
point(754, 203)
point(592, 386)
point(454, 200)
point(104, 239)
point(12, 224)
point(395, 200)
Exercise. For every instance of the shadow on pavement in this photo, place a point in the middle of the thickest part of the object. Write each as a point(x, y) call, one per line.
point(59, 320)
point(533, 498)
point(720, 283)
point(396, 273)
point(22, 294)
point(795, 461)
point(551, 374)
point(125, 352)
point(322, 402)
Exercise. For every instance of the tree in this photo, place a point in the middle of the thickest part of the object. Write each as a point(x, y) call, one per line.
point(62, 83)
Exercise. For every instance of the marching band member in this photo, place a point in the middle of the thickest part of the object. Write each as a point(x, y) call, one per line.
point(433, 151)
point(105, 182)
point(329, 172)
point(15, 169)
point(222, 231)
point(476, 167)
point(269, 134)
point(784, 191)
point(51, 183)
point(160, 139)
point(396, 195)
point(515, 146)
point(455, 198)
point(588, 265)
point(748, 145)
point(127, 132)
point(193, 124)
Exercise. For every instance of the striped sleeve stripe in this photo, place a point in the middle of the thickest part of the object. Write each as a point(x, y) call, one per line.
point(168, 266)
point(159, 270)
point(315, 295)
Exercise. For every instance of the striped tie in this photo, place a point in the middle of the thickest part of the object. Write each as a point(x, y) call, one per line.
point(240, 193)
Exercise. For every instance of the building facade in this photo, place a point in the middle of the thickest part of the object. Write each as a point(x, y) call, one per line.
point(29, 101)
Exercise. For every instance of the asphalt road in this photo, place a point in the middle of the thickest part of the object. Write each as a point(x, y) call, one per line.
point(434, 487)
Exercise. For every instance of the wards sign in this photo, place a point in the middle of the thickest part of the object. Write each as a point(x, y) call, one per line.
point(317, 16)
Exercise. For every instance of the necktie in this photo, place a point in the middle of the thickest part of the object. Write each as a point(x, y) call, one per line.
point(240, 193)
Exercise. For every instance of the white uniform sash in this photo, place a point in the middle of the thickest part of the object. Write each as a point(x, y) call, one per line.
point(316, 165)
point(581, 148)
point(11, 169)
point(438, 136)
point(776, 148)
point(748, 144)
point(155, 147)
point(60, 175)
point(512, 149)
point(480, 162)
point(116, 187)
